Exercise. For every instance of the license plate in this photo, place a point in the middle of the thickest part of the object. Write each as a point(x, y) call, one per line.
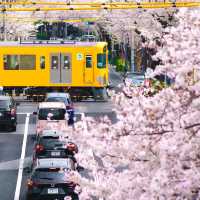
point(55, 153)
point(52, 190)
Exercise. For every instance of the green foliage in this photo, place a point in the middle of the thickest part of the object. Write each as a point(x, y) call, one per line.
point(158, 85)
point(119, 63)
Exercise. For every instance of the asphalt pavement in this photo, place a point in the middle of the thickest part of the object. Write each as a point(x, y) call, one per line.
point(13, 164)
point(16, 147)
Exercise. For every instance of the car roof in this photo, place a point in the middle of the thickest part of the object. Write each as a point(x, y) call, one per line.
point(55, 163)
point(52, 133)
point(2, 97)
point(58, 94)
point(52, 105)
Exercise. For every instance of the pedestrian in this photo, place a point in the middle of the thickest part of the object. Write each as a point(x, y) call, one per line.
point(70, 116)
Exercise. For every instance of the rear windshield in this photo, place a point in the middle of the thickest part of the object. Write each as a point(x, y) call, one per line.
point(58, 99)
point(54, 169)
point(51, 173)
point(54, 113)
point(52, 143)
point(48, 170)
point(4, 103)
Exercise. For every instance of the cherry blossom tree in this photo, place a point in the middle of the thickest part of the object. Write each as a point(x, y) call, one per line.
point(152, 151)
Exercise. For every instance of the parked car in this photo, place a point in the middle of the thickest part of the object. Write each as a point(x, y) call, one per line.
point(53, 179)
point(51, 115)
point(66, 99)
point(8, 113)
point(53, 144)
point(136, 79)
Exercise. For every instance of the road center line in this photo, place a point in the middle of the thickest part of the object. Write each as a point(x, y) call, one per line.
point(21, 162)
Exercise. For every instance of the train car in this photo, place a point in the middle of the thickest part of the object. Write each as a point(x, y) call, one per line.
point(54, 63)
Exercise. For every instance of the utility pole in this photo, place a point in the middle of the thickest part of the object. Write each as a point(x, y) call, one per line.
point(133, 69)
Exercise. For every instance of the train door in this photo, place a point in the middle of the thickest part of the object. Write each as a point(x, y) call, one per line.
point(60, 68)
point(88, 69)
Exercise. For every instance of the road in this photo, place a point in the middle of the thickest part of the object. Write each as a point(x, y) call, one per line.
point(13, 179)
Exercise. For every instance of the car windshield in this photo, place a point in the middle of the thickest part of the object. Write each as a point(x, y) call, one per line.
point(58, 99)
point(4, 103)
point(54, 113)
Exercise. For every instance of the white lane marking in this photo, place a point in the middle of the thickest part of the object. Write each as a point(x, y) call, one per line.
point(21, 162)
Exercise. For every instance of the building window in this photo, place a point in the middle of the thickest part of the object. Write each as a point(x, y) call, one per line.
point(101, 60)
point(42, 62)
point(19, 62)
point(88, 61)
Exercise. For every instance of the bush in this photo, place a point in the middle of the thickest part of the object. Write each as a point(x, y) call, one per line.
point(120, 64)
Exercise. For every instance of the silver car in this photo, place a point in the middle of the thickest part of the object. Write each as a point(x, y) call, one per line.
point(136, 79)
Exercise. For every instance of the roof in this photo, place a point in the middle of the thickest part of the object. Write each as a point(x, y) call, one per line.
point(52, 105)
point(58, 94)
point(55, 163)
point(50, 43)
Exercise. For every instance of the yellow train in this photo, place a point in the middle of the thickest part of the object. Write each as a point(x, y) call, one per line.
point(54, 64)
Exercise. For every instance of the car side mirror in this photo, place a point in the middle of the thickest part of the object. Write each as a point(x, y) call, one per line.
point(34, 113)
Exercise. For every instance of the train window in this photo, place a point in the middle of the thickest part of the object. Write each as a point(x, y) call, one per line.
point(101, 60)
point(42, 62)
point(11, 62)
point(54, 62)
point(88, 61)
point(27, 62)
point(66, 62)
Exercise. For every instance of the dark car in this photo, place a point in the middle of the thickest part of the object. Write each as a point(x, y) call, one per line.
point(66, 99)
point(53, 146)
point(8, 115)
point(53, 179)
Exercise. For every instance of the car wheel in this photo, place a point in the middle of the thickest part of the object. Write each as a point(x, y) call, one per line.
point(14, 127)
point(29, 197)
point(9, 128)
point(75, 197)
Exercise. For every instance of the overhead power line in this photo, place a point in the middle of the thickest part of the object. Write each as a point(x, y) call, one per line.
point(94, 6)
point(28, 19)
point(96, 3)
